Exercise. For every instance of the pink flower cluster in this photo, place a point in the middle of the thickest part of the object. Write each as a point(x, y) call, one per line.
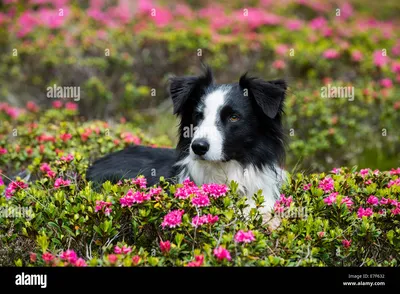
point(364, 212)
point(373, 200)
point(336, 170)
point(173, 219)
point(331, 199)
point(134, 197)
point(201, 195)
point(60, 182)
point(100, 204)
point(198, 261)
point(65, 137)
point(13, 187)
point(122, 250)
point(244, 237)
point(45, 167)
point(307, 187)
point(165, 246)
point(204, 219)
point(396, 182)
point(215, 190)
point(141, 182)
point(327, 184)
point(221, 253)
point(283, 203)
point(130, 138)
point(67, 158)
point(346, 243)
point(1, 181)
point(3, 151)
point(395, 171)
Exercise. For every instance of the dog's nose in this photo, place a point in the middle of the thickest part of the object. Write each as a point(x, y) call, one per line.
point(200, 146)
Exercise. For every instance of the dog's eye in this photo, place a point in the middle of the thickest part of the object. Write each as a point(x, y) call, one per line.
point(234, 118)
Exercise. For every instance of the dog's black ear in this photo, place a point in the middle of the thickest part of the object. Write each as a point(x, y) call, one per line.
point(269, 95)
point(184, 89)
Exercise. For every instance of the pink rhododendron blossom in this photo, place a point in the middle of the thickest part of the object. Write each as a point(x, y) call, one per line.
point(173, 219)
point(3, 151)
point(198, 261)
point(67, 158)
point(45, 167)
point(60, 182)
point(13, 187)
point(307, 187)
point(221, 253)
point(112, 258)
point(165, 246)
point(331, 54)
point(100, 204)
point(69, 256)
point(204, 219)
point(346, 243)
point(122, 250)
point(140, 181)
point(394, 183)
point(331, 199)
point(386, 83)
point(327, 184)
point(356, 56)
point(215, 190)
point(364, 212)
point(380, 59)
point(201, 200)
point(347, 201)
point(71, 106)
point(244, 237)
point(373, 200)
point(395, 171)
point(384, 201)
point(80, 262)
point(47, 257)
point(136, 259)
point(336, 170)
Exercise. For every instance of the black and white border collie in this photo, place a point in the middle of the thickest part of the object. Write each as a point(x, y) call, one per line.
point(226, 132)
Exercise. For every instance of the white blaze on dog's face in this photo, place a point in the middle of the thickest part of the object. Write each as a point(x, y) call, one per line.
point(208, 137)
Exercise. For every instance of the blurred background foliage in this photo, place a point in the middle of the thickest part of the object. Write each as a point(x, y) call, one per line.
point(121, 53)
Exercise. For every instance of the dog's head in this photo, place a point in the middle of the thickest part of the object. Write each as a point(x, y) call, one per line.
point(239, 121)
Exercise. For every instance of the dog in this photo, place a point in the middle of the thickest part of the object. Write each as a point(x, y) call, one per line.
point(226, 132)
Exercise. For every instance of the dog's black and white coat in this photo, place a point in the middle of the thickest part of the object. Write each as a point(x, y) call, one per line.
point(226, 132)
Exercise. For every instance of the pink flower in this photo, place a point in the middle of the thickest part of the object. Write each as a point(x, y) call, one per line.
point(386, 83)
point(1, 181)
point(71, 106)
point(364, 212)
point(395, 171)
point(112, 258)
point(124, 249)
point(356, 56)
point(61, 183)
point(189, 188)
point(3, 151)
point(215, 190)
point(318, 23)
point(395, 211)
point(244, 237)
point(134, 197)
point(136, 260)
point(307, 187)
point(380, 60)
point(32, 257)
point(373, 200)
point(331, 199)
point(165, 246)
point(69, 256)
point(100, 204)
point(80, 262)
point(394, 183)
point(204, 219)
point(14, 187)
point(384, 201)
point(198, 261)
point(346, 243)
point(155, 191)
point(141, 181)
point(47, 257)
point(331, 54)
point(57, 104)
point(327, 184)
point(364, 172)
point(67, 158)
point(221, 253)
point(279, 64)
point(321, 234)
point(130, 138)
point(201, 200)
point(336, 170)
point(282, 49)
point(346, 200)
point(65, 137)
point(173, 219)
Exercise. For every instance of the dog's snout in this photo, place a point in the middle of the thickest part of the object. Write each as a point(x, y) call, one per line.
point(200, 146)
